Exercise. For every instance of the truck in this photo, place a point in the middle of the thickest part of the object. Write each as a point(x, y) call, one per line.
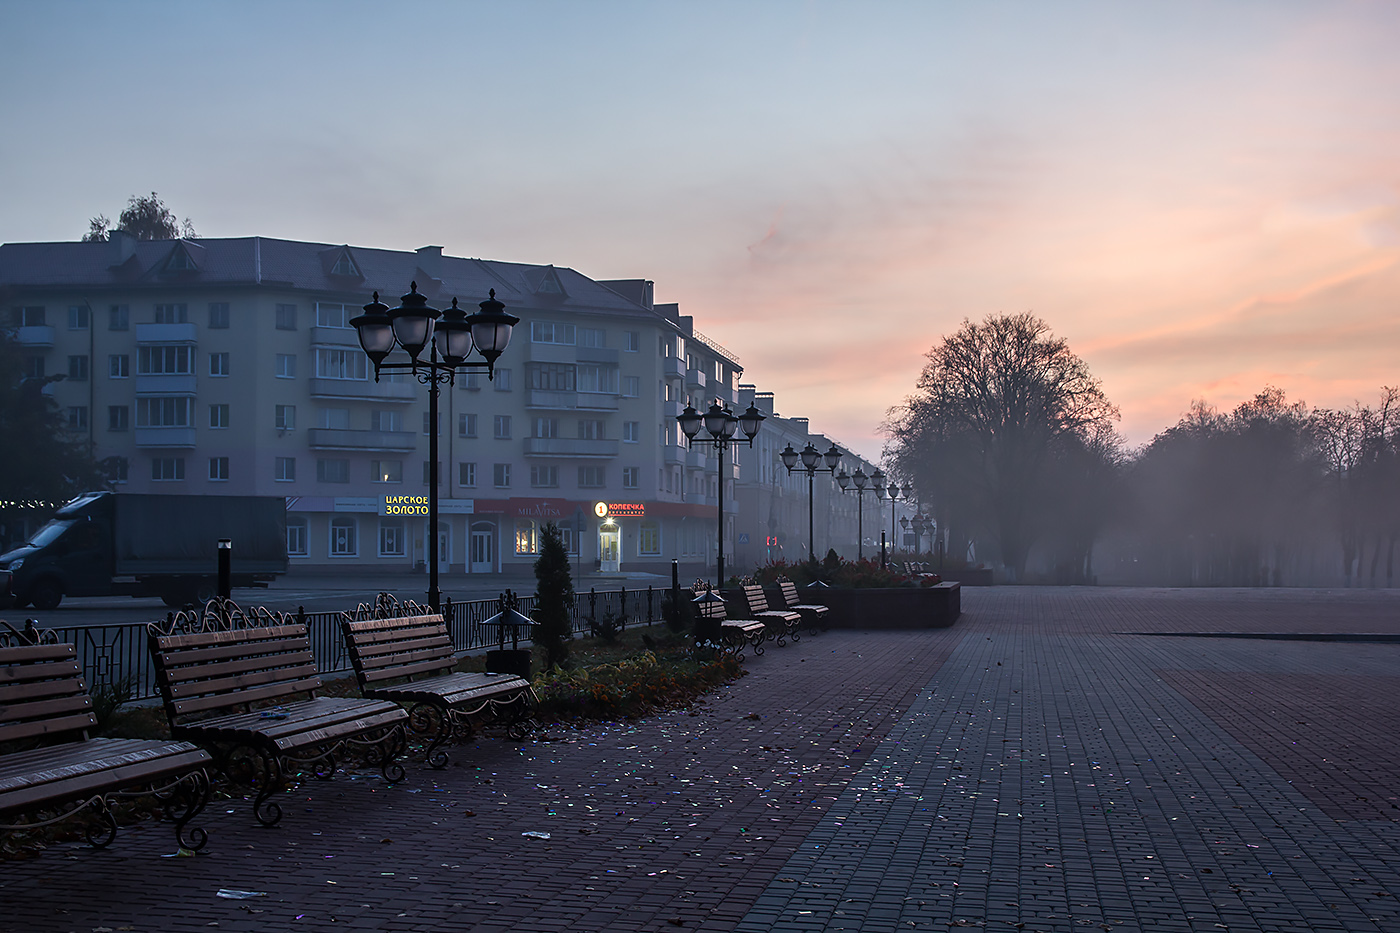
point(111, 544)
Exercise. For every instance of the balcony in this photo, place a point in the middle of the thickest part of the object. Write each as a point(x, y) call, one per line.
point(345, 439)
point(597, 401)
point(670, 410)
point(334, 337)
point(722, 392)
point(35, 335)
point(597, 355)
point(166, 384)
point(673, 367)
point(165, 333)
point(673, 454)
point(569, 447)
point(384, 391)
point(550, 353)
point(695, 379)
point(695, 457)
point(549, 399)
point(165, 437)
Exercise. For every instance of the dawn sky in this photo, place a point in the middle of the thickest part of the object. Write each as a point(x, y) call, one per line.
point(1203, 198)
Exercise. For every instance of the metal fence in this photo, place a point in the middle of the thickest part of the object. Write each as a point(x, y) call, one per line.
point(115, 657)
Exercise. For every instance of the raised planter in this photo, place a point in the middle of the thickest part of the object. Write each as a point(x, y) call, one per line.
point(890, 607)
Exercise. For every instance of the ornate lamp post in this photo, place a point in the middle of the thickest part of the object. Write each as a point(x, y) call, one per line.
point(810, 458)
point(720, 425)
point(892, 491)
point(877, 481)
point(449, 336)
point(904, 524)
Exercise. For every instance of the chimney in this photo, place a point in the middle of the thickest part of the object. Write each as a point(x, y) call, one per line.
point(121, 246)
point(430, 261)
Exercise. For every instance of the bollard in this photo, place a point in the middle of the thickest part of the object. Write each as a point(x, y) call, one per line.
point(225, 568)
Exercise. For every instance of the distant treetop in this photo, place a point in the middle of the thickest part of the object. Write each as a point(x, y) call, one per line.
point(144, 219)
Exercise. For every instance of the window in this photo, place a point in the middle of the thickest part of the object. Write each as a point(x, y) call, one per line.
point(341, 364)
point(548, 332)
point(590, 429)
point(592, 337)
point(527, 539)
point(544, 476)
point(631, 432)
point(502, 381)
point(592, 378)
point(345, 265)
point(116, 469)
point(546, 427)
point(285, 469)
point(343, 543)
point(502, 427)
point(164, 469)
point(551, 377)
point(77, 417)
point(500, 475)
point(472, 382)
point(286, 317)
point(164, 411)
point(118, 366)
point(332, 471)
point(164, 361)
point(284, 417)
point(118, 417)
point(296, 537)
point(34, 367)
point(631, 386)
point(119, 317)
point(631, 341)
point(426, 423)
point(631, 477)
point(333, 315)
point(466, 425)
point(386, 471)
point(337, 419)
point(385, 419)
point(218, 469)
point(218, 315)
point(218, 364)
point(391, 538)
point(218, 416)
point(77, 317)
point(172, 314)
point(466, 475)
point(286, 366)
point(649, 539)
point(427, 469)
point(30, 316)
point(78, 369)
point(590, 477)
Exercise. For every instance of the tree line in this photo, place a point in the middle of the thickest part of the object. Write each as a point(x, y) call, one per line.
point(1009, 443)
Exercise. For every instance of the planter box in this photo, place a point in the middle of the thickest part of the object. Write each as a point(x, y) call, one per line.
point(891, 607)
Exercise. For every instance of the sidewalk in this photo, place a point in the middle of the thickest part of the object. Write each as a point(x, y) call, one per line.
point(1030, 768)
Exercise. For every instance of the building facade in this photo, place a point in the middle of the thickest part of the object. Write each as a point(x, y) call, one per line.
point(228, 366)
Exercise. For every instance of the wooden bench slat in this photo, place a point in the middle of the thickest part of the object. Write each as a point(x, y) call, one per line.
point(240, 681)
point(14, 732)
point(217, 701)
point(139, 764)
point(407, 670)
point(16, 693)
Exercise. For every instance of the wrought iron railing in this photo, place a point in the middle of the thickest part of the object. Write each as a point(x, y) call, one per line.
point(115, 657)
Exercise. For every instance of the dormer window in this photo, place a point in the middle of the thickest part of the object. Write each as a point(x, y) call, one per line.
point(345, 264)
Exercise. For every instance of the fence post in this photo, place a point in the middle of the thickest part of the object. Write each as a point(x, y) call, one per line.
point(622, 608)
point(650, 618)
point(592, 606)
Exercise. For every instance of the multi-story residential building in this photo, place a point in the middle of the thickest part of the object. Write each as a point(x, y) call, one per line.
point(228, 366)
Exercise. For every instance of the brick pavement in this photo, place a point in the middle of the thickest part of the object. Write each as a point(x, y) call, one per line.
point(1026, 769)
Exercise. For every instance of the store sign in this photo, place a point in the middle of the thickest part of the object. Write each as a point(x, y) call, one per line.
point(620, 510)
point(418, 505)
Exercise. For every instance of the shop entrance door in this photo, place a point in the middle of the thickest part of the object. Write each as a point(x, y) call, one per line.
point(483, 559)
point(610, 548)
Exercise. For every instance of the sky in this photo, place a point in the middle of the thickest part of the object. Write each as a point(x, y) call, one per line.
point(1203, 199)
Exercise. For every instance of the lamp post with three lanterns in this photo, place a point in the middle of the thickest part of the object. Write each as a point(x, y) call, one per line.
point(877, 484)
point(892, 492)
point(720, 425)
point(810, 458)
point(449, 336)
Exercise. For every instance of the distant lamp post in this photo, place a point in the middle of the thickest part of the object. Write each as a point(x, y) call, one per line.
point(721, 425)
point(876, 481)
point(892, 492)
point(811, 459)
point(449, 337)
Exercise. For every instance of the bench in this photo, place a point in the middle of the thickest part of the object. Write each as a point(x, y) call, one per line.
point(814, 613)
point(243, 685)
point(714, 629)
point(388, 653)
point(43, 697)
point(783, 622)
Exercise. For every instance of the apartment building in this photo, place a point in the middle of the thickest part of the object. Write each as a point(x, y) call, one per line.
point(228, 366)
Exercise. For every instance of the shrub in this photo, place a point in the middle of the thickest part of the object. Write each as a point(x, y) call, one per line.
point(554, 598)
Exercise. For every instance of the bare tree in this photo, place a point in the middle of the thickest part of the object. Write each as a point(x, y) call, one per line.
point(145, 219)
point(996, 403)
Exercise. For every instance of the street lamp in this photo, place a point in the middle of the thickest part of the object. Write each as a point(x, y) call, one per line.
point(720, 424)
point(449, 336)
point(892, 491)
point(877, 481)
point(810, 458)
